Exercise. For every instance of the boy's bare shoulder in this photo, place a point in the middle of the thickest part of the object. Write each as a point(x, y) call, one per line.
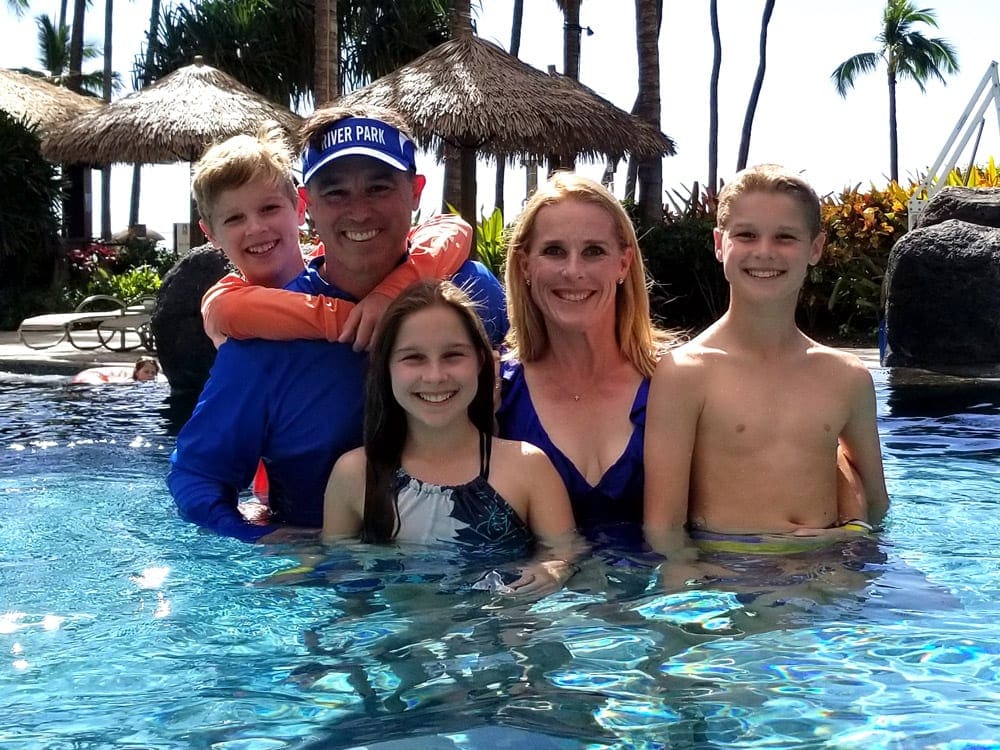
point(837, 361)
point(698, 351)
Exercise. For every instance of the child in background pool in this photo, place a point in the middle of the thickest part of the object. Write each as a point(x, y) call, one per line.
point(430, 470)
point(146, 368)
point(743, 421)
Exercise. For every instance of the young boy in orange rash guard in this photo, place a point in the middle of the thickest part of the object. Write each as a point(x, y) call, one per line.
point(251, 210)
point(746, 421)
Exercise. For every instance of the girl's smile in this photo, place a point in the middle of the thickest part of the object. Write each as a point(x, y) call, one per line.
point(434, 368)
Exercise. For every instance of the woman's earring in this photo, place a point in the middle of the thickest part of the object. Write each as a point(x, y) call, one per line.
point(621, 281)
point(527, 282)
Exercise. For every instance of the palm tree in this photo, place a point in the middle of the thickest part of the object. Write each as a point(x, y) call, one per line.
point(907, 54)
point(572, 31)
point(571, 37)
point(648, 15)
point(460, 25)
point(326, 69)
point(106, 92)
point(143, 79)
point(53, 57)
point(517, 22)
point(77, 214)
point(713, 99)
point(758, 82)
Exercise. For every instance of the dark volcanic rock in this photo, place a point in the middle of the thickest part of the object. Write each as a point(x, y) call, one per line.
point(974, 205)
point(186, 354)
point(943, 298)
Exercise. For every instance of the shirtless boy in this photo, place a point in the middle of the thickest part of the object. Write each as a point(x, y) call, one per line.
point(743, 422)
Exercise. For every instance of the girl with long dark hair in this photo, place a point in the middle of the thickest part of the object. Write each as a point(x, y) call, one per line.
point(431, 470)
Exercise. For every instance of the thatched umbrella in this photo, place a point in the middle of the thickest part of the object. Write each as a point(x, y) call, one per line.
point(172, 120)
point(40, 102)
point(471, 94)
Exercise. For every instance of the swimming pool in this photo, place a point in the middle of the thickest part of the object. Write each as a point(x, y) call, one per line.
point(122, 626)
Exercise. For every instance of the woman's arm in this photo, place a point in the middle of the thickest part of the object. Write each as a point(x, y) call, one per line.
point(672, 412)
point(550, 518)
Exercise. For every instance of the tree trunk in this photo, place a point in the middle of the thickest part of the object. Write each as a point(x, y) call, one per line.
point(326, 69)
point(713, 100)
point(648, 14)
point(460, 25)
point(77, 206)
point(758, 82)
point(106, 171)
point(572, 31)
point(515, 46)
point(893, 144)
point(154, 20)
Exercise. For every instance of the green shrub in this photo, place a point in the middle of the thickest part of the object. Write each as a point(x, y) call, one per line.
point(689, 290)
point(842, 294)
point(29, 219)
point(491, 242)
point(129, 286)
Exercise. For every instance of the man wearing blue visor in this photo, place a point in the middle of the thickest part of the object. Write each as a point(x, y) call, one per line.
point(299, 404)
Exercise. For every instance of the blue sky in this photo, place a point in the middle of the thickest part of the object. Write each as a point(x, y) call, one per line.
point(800, 122)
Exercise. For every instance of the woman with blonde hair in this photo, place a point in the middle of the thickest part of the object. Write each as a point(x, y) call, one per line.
point(581, 346)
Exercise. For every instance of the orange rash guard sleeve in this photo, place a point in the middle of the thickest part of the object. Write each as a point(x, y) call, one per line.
point(438, 248)
point(233, 308)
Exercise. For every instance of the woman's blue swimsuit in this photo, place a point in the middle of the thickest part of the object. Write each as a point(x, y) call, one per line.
point(617, 497)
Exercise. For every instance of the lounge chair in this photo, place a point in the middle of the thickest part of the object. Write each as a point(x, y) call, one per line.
point(79, 327)
point(130, 330)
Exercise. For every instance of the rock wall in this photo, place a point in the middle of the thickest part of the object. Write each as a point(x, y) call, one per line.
point(942, 308)
point(186, 354)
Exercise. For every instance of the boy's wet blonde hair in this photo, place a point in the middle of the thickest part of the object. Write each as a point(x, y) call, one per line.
point(242, 159)
point(770, 178)
point(639, 341)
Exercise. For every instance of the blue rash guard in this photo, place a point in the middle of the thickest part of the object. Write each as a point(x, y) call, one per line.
point(298, 405)
point(617, 497)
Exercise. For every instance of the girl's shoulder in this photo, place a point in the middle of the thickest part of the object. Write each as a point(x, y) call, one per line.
point(353, 462)
point(517, 455)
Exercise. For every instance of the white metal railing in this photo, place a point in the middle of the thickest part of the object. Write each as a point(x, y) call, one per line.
point(988, 92)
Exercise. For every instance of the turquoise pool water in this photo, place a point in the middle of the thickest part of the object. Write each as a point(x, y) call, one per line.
point(123, 627)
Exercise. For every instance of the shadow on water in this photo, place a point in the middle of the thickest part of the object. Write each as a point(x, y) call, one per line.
point(916, 393)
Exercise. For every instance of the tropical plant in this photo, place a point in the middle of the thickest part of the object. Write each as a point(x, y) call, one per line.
point(264, 44)
point(53, 57)
point(842, 294)
point(689, 290)
point(378, 37)
point(907, 53)
point(758, 82)
point(129, 286)
point(270, 45)
point(29, 222)
point(491, 242)
point(18, 6)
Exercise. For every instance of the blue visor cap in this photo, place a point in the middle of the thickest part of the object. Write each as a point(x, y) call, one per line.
point(358, 136)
